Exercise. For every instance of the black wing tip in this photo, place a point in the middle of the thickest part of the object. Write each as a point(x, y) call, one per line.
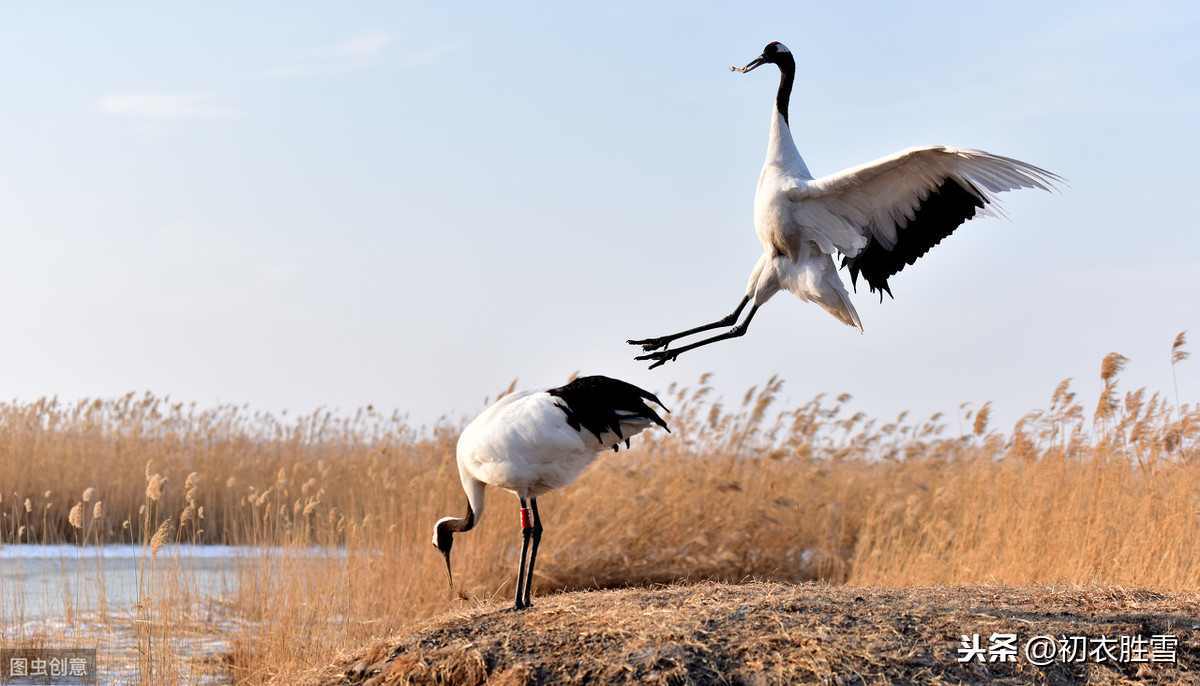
point(939, 214)
point(882, 286)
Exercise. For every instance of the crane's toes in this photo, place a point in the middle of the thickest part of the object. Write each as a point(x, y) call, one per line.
point(660, 357)
point(649, 344)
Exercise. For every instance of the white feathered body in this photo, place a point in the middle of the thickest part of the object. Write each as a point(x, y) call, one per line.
point(524, 444)
point(797, 252)
point(803, 222)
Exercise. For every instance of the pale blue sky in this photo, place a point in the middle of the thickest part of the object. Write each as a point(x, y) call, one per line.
point(412, 204)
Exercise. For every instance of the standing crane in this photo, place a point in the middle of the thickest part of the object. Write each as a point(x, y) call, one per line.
point(534, 441)
point(880, 216)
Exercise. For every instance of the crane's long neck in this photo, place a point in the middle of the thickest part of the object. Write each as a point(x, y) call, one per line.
point(787, 76)
point(781, 149)
point(474, 491)
point(456, 525)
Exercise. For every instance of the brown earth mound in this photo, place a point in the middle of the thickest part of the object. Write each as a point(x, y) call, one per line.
point(770, 633)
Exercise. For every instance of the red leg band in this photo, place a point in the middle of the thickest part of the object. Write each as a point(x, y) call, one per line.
point(525, 524)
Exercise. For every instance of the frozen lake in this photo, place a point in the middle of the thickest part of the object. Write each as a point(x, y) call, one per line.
point(58, 582)
point(88, 597)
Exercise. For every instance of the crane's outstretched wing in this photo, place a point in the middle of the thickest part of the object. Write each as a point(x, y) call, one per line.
point(905, 204)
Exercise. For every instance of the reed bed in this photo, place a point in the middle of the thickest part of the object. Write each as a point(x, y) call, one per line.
point(1104, 494)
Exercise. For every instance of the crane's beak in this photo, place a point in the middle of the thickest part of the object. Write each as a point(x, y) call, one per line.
point(449, 574)
point(758, 62)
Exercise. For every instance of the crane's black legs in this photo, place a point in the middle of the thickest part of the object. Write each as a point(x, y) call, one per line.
point(530, 530)
point(649, 344)
point(522, 600)
point(537, 538)
point(663, 356)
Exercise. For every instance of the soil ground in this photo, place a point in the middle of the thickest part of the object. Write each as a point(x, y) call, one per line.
point(774, 633)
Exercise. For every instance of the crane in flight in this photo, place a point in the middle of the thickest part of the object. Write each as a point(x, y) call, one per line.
point(880, 216)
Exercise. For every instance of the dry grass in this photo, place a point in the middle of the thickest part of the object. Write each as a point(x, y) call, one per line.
point(770, 633)
point(733, 493)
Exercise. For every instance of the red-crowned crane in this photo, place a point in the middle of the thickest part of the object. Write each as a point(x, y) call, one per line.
point(534, 441)
point(879, 216)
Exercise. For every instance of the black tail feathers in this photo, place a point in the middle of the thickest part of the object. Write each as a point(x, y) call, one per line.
point(593, 403)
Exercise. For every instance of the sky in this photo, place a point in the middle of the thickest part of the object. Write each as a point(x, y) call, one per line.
point(409, 205)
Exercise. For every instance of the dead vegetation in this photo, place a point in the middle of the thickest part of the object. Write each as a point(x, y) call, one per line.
point(740, 490)
point(771, 633)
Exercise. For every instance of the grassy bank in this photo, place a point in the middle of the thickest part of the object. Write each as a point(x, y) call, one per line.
point(771, 633)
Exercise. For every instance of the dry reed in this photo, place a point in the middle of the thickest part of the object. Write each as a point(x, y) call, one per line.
point(735, 492)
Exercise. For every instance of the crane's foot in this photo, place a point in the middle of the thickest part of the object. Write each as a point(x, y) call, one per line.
point(649, 344)
point(660, 357)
